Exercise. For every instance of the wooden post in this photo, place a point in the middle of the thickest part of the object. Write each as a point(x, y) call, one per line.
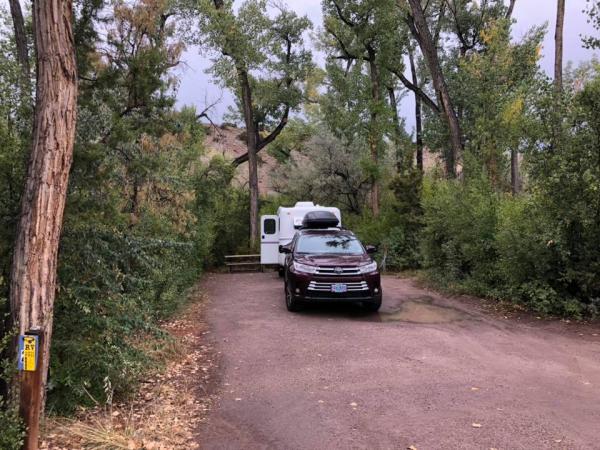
point(31, 397)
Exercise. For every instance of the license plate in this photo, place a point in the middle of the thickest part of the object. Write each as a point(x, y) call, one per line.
point(339, 288)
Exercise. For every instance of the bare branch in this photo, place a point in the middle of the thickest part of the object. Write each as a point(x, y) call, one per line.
point(204, 114)
point(341, 15)
point(417, 90)
point(276, 132)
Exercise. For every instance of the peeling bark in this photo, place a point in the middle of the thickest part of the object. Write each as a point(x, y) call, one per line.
point(33, 276)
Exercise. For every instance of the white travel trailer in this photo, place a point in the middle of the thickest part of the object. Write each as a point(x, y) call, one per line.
point(279, 229)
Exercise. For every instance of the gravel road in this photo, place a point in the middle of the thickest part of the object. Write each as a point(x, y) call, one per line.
point(428, 371)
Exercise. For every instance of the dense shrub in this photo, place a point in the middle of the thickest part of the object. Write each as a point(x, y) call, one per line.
point(510, 248)
point(224, 209)
point(12, 432)
point(459, 235)
point(113, 287)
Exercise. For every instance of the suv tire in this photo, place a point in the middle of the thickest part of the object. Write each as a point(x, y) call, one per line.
point(292, 304)
point(372, 306)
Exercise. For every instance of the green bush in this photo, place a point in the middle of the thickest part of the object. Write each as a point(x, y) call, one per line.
point(12, 431)
point(223, 210)
point(113, 287)
point(510, 248)
point(397, 229)
point(458, 239)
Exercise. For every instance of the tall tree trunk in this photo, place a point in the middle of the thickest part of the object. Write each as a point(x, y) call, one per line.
point(33, 276)
point(558, 45)
point(21, 42)
point(374, 138)
point(251, 146)
point(515, 182)
point(400, 157)
point(418, 119)
point(557, 141)
point(511, 7)
point(421, 33)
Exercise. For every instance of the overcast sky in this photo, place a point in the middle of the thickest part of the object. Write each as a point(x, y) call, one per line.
point(197, 88)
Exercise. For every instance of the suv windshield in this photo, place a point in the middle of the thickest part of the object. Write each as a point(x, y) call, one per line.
point(329, 244)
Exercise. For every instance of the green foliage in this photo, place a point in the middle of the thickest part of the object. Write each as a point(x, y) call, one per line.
point(593, 11)
point(493, 89)
point(131, 233)
point(269, 49)
point(15, 122)
point(517, 249)
point(224, 227)
point(294, 138)
point(328, 170)
point(458, 238)
point(13, 433)
point(144, 214)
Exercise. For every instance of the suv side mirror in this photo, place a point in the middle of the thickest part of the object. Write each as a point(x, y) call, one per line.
point(371, 249)
point(284, 249)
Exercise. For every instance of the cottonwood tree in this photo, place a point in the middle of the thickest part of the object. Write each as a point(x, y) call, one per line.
point(459, 35)
point(478, 29)
point(263, 60)
point(361, 37)
point(33, 277)
point(132, 79)
point(417, 23)
point(496, 83)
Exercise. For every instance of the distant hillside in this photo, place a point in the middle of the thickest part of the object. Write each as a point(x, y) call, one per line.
point(228, 141)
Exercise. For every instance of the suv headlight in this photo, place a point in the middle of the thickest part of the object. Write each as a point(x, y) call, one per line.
point(304, 268)
point(368, 268)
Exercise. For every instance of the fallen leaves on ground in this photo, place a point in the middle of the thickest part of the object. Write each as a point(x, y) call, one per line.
point(165, 412)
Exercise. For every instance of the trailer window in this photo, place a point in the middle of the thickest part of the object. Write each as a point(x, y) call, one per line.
point(269, 226)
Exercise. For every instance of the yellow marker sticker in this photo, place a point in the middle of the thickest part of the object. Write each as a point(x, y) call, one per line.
point(28, 349)
point(29, 353)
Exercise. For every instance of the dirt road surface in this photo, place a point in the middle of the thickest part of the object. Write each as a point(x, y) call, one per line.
point(427, 371)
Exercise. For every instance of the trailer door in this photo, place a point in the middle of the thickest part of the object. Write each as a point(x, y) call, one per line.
point(269, 240)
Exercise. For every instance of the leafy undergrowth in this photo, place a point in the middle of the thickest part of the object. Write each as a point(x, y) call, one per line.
point(166, 410)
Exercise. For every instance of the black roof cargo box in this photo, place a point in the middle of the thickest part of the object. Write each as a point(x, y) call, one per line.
point(320, 219)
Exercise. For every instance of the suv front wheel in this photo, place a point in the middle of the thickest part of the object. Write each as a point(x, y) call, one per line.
point(372, 306)
point(292, 304)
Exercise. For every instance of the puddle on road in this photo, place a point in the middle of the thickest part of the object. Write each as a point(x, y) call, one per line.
point(422, 310)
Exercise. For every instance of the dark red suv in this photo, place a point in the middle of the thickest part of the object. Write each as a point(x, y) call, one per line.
point(330, 265)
